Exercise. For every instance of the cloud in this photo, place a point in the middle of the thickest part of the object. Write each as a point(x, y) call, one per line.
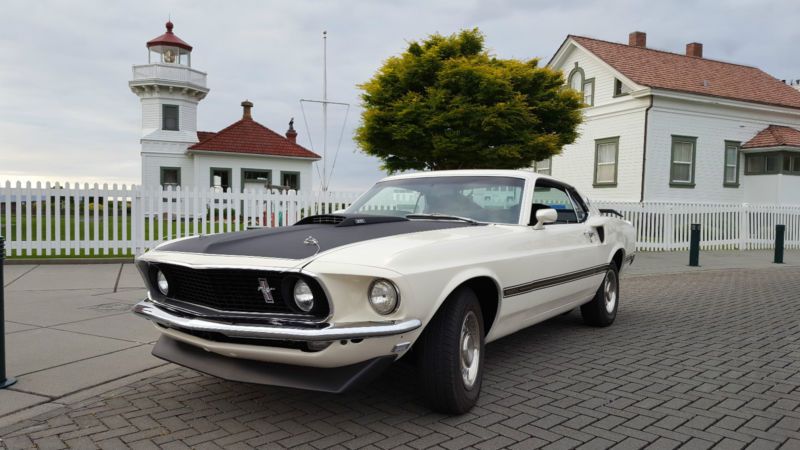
point(67, 114)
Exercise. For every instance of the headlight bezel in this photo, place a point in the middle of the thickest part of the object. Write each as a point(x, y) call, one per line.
point(394, 288)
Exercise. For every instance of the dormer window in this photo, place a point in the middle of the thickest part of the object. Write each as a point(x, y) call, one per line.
point(578, 81)
point(620, 89)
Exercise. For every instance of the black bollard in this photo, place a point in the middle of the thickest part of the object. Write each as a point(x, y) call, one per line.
point(780, 233)
point(694, 246)
point(4, 381)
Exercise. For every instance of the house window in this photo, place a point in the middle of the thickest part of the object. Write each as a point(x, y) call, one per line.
point(576, 78)
point(681, 172)
point(787, 163)
point(169, 116)
point(291, 180)
point(577, 81)
point(256, 178)
point(606, 153)
point(731, 164)
point(220, 179)
point(588, 92)
point(170, 176)
point(620, 89)
point(795, 164)
point(544, 166)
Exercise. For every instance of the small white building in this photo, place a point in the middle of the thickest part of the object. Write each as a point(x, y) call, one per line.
point(245, 154)
point(662, 126)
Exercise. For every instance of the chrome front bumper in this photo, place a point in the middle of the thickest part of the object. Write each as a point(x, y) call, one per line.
point(329, 332)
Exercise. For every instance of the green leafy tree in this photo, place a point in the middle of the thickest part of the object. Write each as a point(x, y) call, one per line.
point(447, 103)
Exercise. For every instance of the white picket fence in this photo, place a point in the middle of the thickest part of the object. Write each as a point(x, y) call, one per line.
point(74, 220)
point(665, 226)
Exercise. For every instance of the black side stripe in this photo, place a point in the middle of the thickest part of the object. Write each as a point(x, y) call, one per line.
point(553, 281)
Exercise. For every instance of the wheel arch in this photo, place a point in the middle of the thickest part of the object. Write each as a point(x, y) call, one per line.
point(485, 286)
point(618, 258)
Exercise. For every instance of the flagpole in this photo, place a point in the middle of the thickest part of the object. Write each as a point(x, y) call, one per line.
point(324, 110)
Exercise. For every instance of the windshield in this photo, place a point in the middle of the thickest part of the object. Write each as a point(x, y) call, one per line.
point(485, 199)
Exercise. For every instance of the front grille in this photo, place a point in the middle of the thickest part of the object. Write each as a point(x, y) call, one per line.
point(237, 290)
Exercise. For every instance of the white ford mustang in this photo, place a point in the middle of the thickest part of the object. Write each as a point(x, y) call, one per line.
point(430, 265)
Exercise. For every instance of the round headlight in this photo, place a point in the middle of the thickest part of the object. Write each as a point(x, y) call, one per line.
point(303, 297)
point(383, 296)
point(163, 284)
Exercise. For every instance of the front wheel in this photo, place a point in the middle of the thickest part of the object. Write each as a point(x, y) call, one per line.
point(451, 354)
point(602, 310)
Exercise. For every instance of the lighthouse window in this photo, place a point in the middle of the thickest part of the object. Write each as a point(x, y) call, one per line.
point(169, 114)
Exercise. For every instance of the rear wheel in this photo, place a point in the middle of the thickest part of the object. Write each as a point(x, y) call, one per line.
point(602, 310)
point(451, 354)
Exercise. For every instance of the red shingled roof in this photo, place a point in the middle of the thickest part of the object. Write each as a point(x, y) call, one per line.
point(775, 136)
point(169, 38)
point(249, 136)
point(203, 135)
point(677, 72)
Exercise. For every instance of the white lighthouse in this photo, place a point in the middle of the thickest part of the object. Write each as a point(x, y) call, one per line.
point(169, 90)
point(243, 155)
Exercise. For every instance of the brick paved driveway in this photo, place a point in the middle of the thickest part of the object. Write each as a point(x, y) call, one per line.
point(698, 360)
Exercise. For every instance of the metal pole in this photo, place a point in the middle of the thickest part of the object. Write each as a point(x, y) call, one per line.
point(324, 111)
point(694, 246)
point(4, 381)
point(780, 233)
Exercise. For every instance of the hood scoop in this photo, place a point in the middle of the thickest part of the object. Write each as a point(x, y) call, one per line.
point(348, 220)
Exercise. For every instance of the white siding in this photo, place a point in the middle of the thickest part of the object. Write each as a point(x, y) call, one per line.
point(152, 164)
point(205, 161)
point(712, 125)
point(621, 117)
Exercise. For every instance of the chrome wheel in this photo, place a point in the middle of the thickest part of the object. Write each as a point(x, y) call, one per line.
point(470, 349)
point(610, 291)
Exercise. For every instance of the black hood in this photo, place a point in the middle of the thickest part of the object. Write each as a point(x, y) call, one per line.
point(330, 231)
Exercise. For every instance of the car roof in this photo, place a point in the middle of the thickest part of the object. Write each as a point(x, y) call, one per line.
point(524, 174)
point(527, 174)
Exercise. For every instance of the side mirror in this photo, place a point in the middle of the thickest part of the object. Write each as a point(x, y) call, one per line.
point(543, 216)
point(597, 222)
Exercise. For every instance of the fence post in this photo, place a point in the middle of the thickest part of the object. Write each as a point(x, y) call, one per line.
point(694, 246)
point(669, 236)
point(780, 232)
point(744, 227)
point(4, 381)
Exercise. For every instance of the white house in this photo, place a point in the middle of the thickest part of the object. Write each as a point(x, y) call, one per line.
point(245, 154)
point(662, 126)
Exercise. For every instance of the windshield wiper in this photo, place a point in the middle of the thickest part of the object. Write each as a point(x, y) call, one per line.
point(442, 217)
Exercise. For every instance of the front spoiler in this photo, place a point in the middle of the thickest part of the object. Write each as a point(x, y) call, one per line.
point(334, 380)
point(152, 312)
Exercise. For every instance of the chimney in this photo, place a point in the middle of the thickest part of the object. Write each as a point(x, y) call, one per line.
point(694, 49)
point(637, 39)
point(291, 135)
point(246, 106)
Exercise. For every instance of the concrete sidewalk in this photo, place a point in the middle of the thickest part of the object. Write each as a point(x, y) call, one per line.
point(659, 263)
point(69, 330)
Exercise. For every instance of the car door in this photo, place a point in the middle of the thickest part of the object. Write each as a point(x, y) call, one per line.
point(561, 264)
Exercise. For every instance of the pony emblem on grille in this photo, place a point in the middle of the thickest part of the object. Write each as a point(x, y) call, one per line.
point(266, 291)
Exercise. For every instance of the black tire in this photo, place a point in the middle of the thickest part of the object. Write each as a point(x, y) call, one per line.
point(602, 310)
point(443, 385)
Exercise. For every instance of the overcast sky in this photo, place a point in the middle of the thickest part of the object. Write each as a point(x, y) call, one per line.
point(66, 113)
